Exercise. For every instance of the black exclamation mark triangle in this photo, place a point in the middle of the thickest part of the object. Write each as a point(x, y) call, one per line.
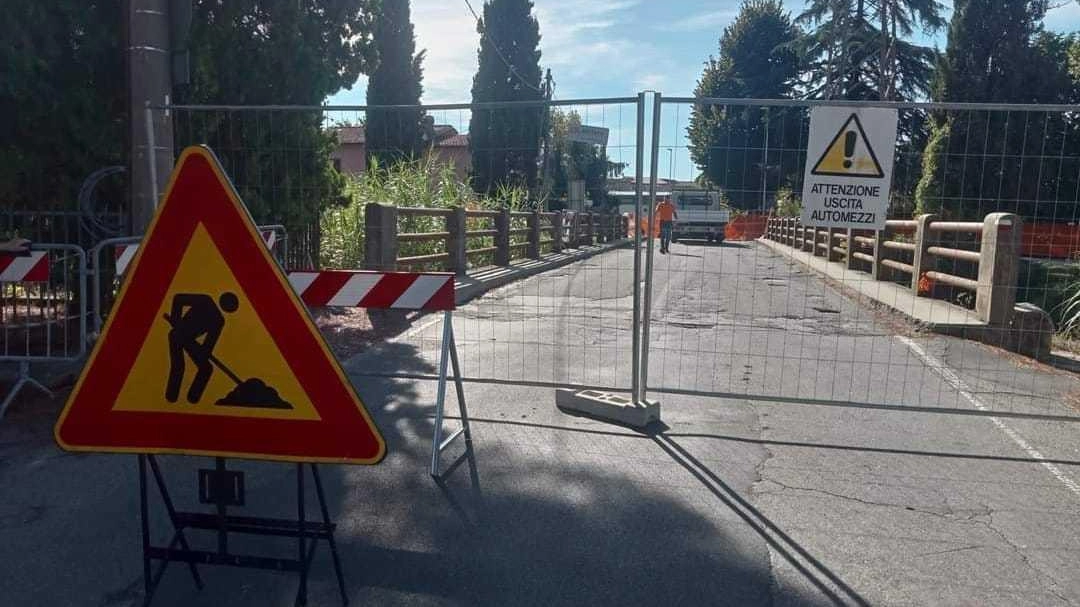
point(852, 131)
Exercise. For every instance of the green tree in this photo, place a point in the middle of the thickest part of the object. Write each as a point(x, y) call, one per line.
point(395, 134)
point(63, 102)
point(505, 143)
point(274, 52)
point(857, 48)
point(977, 162)
point(728, 142)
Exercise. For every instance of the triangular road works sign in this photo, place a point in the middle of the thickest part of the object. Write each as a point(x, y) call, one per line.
point(208, 351)
point(849, 154)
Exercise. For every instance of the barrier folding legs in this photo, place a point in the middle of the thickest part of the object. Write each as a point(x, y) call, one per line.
point(42, 311)
point(438, 444)
point(427, 291)
point(22, 379)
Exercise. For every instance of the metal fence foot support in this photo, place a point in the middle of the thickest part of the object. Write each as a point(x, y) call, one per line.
point(439, 444)
point(22, 379)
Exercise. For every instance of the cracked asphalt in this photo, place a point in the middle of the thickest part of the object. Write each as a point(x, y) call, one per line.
point(815, 451)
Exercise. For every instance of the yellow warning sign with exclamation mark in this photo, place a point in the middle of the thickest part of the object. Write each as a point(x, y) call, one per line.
point(849, 154)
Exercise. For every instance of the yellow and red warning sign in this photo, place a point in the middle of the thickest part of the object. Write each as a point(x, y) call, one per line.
point(208, 351)
point(849, 162)
point(849, 154)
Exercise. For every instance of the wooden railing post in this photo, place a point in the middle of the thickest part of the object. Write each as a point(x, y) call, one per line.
point(456, 242)
point(999, 258)
point(557, 241)
point(590, 228)
point(878, 271)
point(832, 241)
point(532, 251)
point(380, 237)
point(924, 239)
point(502, 239)
point(851, 248)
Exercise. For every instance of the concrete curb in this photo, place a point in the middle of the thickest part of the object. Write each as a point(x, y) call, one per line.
point(471, 286)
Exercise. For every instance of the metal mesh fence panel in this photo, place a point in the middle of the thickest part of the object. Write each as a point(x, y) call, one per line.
point(44, 319)
point(511, 197)
point(808, 313)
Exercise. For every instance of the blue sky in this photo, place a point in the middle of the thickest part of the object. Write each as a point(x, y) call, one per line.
point(597, 48)
point(603, 48)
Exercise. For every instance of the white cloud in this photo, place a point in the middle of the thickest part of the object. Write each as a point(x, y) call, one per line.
point(448, 31)
point(583, 42)
point(714, 20)
point(1065, 18)
point(650, 81)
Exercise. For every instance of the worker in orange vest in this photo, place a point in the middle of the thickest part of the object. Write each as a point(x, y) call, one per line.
point(666, 215)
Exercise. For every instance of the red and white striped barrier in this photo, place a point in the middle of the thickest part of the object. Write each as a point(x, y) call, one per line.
point(24, 268)
point(126, 252)
point(385, 290)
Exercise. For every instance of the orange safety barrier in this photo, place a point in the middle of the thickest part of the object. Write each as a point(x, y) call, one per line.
point(1055, 240)
point(643, 225)
point(746, 227)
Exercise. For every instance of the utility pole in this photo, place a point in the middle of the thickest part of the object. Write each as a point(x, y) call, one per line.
point(149, 59)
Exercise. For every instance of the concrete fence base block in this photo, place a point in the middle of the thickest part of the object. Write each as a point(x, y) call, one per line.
point(1032, 331)
point(607, 406)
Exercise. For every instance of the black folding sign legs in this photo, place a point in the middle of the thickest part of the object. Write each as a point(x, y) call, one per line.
point(439, 444)
point(224, 488)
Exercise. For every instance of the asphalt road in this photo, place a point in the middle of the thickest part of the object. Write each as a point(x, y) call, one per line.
point(773, 482)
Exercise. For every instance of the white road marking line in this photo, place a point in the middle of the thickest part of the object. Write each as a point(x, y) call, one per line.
point(954, 380)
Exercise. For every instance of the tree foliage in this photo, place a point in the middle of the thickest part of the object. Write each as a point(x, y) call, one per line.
point(64, 96)
point(395, 134)
point(727, 142)
point(63, 108)
point(983, 161)
point(275, 52)
point(857, 49)
point(505, 143)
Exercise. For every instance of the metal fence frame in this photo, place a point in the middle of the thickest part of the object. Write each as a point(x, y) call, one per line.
point(643, 268)
point(78, 350)
point(97, 272)
point(638, 101)
point(1042, 117)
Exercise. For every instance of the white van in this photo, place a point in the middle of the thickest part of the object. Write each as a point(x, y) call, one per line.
point(701, 215)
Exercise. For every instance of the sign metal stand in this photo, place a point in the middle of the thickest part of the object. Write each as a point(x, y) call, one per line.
point(215, 485)
point(439, 444)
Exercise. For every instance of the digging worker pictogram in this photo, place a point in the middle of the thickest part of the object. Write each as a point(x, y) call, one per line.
point(195, 316)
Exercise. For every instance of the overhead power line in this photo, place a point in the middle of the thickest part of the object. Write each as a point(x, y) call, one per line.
point(513, 70)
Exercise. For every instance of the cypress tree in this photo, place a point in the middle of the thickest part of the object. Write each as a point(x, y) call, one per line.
point(727, 142)
point(974, 162)
point(393, 135)
point(505, 143)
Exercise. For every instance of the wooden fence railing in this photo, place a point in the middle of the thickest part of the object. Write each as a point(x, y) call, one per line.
point(467, 237)
point(910, 251)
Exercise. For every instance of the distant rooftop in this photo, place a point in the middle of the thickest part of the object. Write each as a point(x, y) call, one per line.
point(445, 136)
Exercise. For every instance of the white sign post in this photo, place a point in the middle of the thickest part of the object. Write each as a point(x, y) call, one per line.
point(849, 165)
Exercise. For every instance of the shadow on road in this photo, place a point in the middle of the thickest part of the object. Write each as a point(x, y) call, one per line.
point(511, 526)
